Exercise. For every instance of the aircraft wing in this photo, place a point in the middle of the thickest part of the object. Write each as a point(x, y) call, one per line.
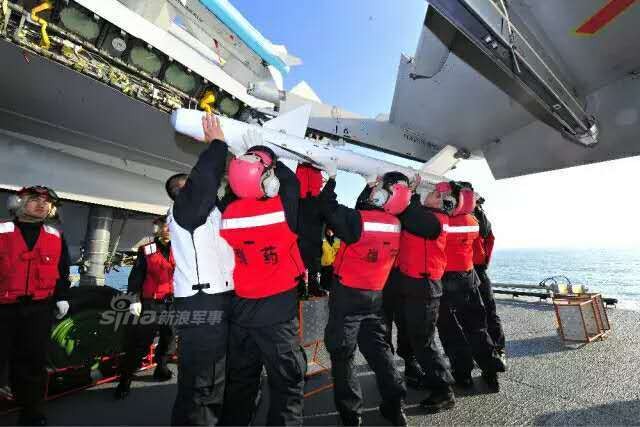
point(539, 86)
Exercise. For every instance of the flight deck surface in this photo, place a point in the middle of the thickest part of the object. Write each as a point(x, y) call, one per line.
point(547, 383)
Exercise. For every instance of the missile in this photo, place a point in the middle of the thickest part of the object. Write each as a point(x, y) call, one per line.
point(285, 135)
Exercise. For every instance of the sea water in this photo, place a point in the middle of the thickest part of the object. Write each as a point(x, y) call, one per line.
point(613, 272)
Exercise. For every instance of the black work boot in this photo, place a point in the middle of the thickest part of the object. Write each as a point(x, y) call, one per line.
point(439, 400)
point(491, 379)
point(393, 411)
point(123, 389)
point(162, 373)
point(501, 361)
point(463, 380)
point(413, 374)
point(351, 420)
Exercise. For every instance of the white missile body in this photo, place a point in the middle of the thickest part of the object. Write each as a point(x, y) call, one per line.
point(285, 135)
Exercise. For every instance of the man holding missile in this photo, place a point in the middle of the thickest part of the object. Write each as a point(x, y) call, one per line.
point(370, 238)
point(202, 282)
point(420, 267)
point(260, 222)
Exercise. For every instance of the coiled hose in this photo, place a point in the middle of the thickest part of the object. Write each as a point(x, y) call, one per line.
point(81, 338)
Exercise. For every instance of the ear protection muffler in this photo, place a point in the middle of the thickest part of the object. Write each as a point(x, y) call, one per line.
point(15, 202)
point(270, 183)
point(379, 196)
point(393, 201)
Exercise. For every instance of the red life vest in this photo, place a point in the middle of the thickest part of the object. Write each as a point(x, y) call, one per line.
point(462, 231)
point(28, 272)
point(266, 251)
point(158, 283)
point(421, 257)
point(482, 249)
point(310, 180)
point(366, 263)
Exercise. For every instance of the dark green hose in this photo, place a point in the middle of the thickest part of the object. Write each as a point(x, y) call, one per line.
point(80, 340)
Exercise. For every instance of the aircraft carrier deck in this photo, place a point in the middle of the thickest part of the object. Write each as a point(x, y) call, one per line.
point(547, 384)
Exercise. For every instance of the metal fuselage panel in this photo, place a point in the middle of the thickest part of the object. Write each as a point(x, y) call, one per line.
point(47, 103)
point(538, 148)
point(153, 24)
point(457, 103)
point(458, 97)
point(25, 163)
point(595, 60)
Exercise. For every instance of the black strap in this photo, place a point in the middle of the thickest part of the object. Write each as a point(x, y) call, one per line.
point(200, 286)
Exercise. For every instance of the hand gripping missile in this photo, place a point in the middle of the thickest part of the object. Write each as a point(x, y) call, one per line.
point(285, 136)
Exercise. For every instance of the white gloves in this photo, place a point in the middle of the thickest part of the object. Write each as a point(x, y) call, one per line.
point(415, 182)
point(63, 309)
point(330, 167)
point(222, 188)
point(135, 308)
point(252, 138)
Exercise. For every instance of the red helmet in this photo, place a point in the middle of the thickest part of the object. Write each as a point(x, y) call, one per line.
point(251, 176)
point(466, 202)
point(392, 194)
point(443, 187)
point(399, 198)
point(40, 190)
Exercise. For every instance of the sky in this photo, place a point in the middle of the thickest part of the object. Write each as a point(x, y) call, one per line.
point(350, 52)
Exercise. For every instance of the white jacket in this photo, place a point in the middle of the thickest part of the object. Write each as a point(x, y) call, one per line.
point(201, 258)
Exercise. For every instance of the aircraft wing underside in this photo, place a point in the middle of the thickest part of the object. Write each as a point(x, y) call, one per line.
point(571, 96)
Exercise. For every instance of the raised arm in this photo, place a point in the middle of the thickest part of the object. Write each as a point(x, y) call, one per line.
point(483, 222)
point(418, 220)
point(289, 194)
point(363, 198)
point(198, 196)
point(345, 222)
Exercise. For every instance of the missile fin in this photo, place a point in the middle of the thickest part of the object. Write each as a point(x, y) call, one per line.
point(442, 162)
point(293, 123)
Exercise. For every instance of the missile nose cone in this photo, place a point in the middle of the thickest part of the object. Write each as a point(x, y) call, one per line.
point(188, 122)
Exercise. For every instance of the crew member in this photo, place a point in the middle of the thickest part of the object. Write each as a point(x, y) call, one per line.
point(391, 305)
point(310, 224)
point(330, 247)
point(202, 283)
point(34, 278)
point(462, 324)
point(151, 287)
point(260, 223)
point(370, 239)
point(482, 250)
point(421, 264)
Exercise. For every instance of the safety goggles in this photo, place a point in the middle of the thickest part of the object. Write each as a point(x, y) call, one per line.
point(258, 156)
point(40, 190)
